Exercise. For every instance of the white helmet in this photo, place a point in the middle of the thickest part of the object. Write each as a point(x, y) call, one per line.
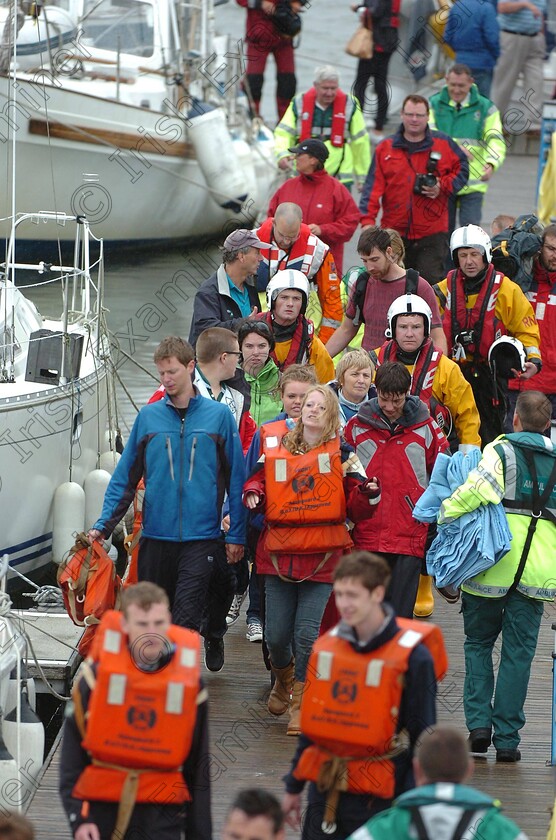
point(290, 278)
point(408, 305)
point(505, 354)
point(471, 236)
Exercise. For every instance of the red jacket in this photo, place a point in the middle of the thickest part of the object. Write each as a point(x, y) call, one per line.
point(300, 566)
point(391, 179)
point(542, 297)
point(324, 201)
point(402, 459)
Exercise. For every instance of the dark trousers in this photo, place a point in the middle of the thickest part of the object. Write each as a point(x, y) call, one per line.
point(352, 812)
point(375, 68)
point(427, 256)
point(165, 822)
point(491, 398)
point(404, 583)
point(199, 582)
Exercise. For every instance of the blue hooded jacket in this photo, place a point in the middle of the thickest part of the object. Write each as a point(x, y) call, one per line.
point(473, 33)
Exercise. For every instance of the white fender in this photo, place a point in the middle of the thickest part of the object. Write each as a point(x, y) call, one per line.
point(216, 156)
point(25, 741)
point(109, 461)
point(68, 518)
point(95, 485)
point(11, 797)
point(53, 28)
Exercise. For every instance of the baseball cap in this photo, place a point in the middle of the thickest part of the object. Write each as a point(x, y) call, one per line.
point(316, 148)
point(242, 238)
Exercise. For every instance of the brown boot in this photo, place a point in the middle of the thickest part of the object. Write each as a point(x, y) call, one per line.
point(294, 726)
point(279, 698)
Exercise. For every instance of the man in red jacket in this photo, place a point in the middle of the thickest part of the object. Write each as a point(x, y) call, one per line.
point(397, 440)
point(327, 206)
point(542, 297)
point(412, 176)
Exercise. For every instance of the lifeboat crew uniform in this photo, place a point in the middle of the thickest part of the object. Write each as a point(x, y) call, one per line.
point(440, 384)
point(486, 307)
point(362, 713)
point(297, 344)
point(137, 740)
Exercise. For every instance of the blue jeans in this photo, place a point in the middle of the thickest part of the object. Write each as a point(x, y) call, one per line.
point(293, 614)
point(483, 80)
point(470, 208)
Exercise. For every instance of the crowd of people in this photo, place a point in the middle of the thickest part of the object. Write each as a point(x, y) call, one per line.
point(292, 457)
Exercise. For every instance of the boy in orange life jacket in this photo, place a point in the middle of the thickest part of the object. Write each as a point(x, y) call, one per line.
point(367, 635)
point(139, 705)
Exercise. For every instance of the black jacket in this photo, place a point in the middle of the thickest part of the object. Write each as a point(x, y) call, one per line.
point(215, 307)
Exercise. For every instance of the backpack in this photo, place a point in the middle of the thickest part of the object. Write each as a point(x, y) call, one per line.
point(411, 282)
point(90, 586)
point(514, 248)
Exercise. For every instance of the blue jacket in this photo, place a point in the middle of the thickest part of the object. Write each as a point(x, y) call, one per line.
point(472, 31)
point(187, 466)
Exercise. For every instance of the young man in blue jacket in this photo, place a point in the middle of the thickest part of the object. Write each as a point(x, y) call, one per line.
point(187, 450)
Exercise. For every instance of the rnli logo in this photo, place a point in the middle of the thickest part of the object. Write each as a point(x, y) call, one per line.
point(141, 717)
point(344, 692)
point(303, 482)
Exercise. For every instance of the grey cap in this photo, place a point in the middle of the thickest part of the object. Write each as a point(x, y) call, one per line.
point(242, 239)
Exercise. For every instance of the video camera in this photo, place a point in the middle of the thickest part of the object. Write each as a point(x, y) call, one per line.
point(428, 178)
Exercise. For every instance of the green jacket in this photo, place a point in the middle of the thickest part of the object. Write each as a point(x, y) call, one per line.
point(503, 475)
point(349, 162)
point(266, 400)
point(477, 127)
point(440, 822)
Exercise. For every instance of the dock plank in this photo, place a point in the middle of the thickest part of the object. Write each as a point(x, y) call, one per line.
point(249, 747)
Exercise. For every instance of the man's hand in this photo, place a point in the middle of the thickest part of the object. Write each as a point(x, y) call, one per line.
point(87, 831)
point(234, 553)
point(432, 192)
point(530, 370)
point(268, 7)
point(286, 163)
point(291, 806)
point(92, 535)
point(225, 524)
point(254, 311)
point(315, 229)
point(488, 172)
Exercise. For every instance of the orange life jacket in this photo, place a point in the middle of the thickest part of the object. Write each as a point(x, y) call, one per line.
point(306, 508)
point(90, 586)
point(131, 542)
point(139, 726)
point(351, 705)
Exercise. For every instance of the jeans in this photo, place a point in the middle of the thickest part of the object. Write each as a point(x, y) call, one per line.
point(353, 811)
point(404, 582)
point(470, 209)
point(518, 619)
point(483, 80)
point(293, 615)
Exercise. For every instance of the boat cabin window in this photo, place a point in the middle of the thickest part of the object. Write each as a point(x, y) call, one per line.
point(124, 25)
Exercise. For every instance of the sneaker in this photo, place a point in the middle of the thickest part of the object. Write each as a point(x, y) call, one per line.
point(449, 593)
point(254, 631)
point(235, 608)
point(214, 654)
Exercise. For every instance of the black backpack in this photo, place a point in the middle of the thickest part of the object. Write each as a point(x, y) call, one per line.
point(411, 282)
point(286, 21)
point(514, 248)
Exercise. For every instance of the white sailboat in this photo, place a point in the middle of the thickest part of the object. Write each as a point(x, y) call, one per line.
point(129, 112)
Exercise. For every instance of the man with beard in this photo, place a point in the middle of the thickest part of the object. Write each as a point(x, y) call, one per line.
point(480, 305)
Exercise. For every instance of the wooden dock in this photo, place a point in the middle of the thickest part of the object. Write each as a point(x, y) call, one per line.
point(249, 748)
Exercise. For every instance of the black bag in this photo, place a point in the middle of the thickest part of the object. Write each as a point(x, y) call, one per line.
point(514, 248)
point(286, 21)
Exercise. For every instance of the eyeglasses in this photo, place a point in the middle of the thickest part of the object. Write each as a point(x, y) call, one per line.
point(419, 116)
point(290, 239)
point(237, 353)
point(388, 399)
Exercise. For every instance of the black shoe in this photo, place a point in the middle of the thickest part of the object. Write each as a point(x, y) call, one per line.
point(449, 593)
point(479, 740)
point(214, 654)
point(508, 756)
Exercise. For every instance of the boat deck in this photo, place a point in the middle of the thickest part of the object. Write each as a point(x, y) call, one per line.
point(249, 748)
point(54, 639)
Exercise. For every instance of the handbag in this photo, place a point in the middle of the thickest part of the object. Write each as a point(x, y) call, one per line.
point(360, 44)
point(286, 21)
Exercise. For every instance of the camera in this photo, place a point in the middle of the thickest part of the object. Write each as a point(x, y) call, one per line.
point(465, 337)
point(428, 178)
